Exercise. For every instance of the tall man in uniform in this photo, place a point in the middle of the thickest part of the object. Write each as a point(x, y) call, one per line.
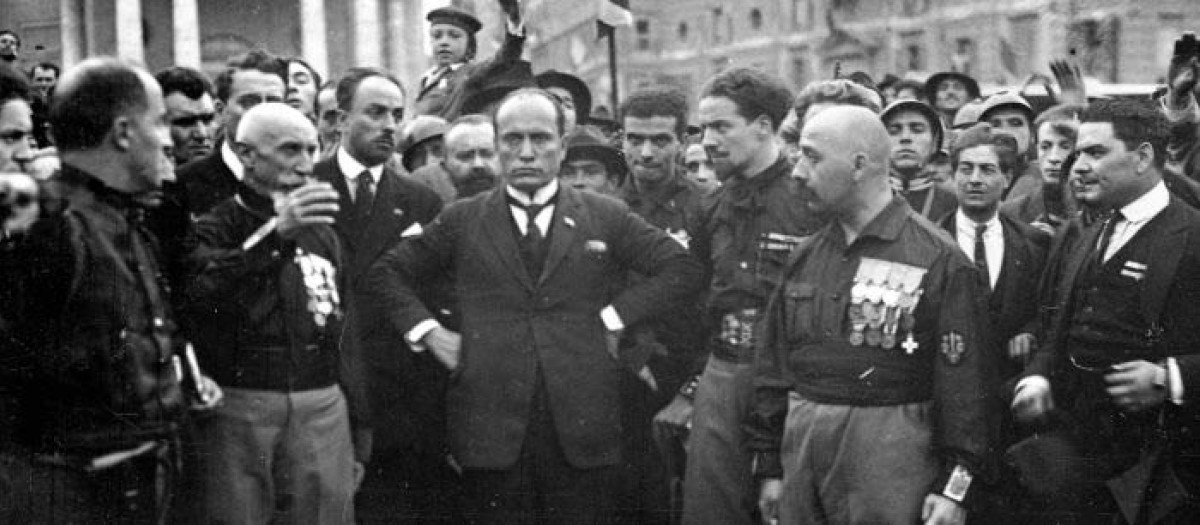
point(534, 405)
point(376, 209)
point(747, 233)
point(1120, 356)
point(871, 383)
point(94, 335)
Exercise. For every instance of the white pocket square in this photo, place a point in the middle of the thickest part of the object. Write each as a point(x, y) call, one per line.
point(412, 231)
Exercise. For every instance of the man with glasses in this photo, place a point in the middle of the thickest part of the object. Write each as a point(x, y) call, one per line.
point(1120, 360)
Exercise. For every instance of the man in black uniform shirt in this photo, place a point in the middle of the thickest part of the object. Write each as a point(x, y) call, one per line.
point(871, 385)
point(94, 334)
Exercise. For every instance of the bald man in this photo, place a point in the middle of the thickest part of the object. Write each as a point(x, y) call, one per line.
point(871, 388)
point(266, 304)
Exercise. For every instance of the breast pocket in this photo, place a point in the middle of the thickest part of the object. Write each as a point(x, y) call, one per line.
point(800, 311)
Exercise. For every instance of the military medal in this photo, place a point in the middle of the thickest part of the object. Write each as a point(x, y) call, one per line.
point(874, 336)
point(856, 337)
point(888, 341)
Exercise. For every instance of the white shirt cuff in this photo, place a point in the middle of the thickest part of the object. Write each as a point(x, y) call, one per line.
point(1175, 381)
point(1032, 382)
point(418, 333)
point(611, 320)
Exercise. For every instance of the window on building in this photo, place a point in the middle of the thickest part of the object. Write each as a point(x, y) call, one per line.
point(717, 33)
point(642, 28)
point(683, 31)
point(756, 19)
point(802, 14)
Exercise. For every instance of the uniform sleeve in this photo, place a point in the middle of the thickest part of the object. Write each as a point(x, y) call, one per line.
point(964, 373)
point(219, 264)
point(765, 423)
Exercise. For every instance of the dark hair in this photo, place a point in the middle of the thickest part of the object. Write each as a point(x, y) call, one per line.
point(755, 93)
point(257, 60)
point(840, 91)
point(46, 65)
point(316, 77)
point(662, 101)
point(82, 111)
point(347, 87)
point(560, 116)
point(13, 84)
point(14, 34)
point(1134, 122)
point(981, 134)
point(329, 84)
point(178, 79)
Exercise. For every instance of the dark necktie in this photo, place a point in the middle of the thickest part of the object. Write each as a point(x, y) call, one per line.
point(1106, 235)
point(532, 253)
point(364, 195)
point(981, 253)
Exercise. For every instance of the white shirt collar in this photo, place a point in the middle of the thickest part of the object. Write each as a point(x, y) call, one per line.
point(1149, 205)
point(352, 168)
point(966, 226)
point(232, 161)
point(540, 197)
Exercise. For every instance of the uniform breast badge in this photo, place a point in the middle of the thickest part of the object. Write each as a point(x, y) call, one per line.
point(882, 300)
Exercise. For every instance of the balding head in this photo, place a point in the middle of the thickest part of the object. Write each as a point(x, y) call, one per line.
point(277, 145)
point(844, 154)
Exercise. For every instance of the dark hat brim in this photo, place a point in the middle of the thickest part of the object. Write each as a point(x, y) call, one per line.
point(576, 87)
point(455, 17)
point(932, 83)
point(611, 157)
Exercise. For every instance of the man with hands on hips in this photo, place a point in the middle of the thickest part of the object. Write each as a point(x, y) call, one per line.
point(1119, 357)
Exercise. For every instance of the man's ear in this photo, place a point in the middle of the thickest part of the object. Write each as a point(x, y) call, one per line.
point(122, 131)
point(342, 117)
point(1145, 157)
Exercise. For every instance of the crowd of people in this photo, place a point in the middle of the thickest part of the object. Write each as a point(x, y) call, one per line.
point(273, 298)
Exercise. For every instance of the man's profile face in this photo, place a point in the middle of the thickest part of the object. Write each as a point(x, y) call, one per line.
point(191, 123)
point(732, 142)
point(528, 141)
point(471, 158)
point(1053, 148)
point(912, 139)
point(651, 147)
point(371, 128)
point(327, 121)
point(150, 141)
point(1104, 175)
point(978, 180)
point(587, 175)
point(250, 87)
point(824, 168)
point(16, 128)
point(44, 79)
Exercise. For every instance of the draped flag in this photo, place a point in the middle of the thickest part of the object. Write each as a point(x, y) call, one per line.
point(612, 13)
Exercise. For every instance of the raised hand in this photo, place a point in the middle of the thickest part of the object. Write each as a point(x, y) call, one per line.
point(1070, 82)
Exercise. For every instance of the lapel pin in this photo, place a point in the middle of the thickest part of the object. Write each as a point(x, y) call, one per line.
point(397, 212)
point(595, 247)
point(570, 222)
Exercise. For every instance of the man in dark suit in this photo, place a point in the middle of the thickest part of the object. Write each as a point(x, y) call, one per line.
point(377, 209)
point(534, 401)
point(1008, 252)
point(1120, 354)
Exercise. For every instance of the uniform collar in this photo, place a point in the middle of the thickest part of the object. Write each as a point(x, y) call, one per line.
point(890, 221)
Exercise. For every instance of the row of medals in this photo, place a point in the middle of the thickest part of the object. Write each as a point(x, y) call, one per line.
point(878, 311)
point(319, 284)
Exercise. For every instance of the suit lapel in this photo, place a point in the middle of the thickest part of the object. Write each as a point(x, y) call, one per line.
point(1012, 265)
point(329, 171)
point(1080, 253)
point(387, 215)
point(1167, 249)
point(563, 230)
point(499, 230)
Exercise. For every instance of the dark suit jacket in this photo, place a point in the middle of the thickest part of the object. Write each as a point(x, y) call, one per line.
point(1013, 304)
point(1170, 292)
point(206, 182)
point(514, 325)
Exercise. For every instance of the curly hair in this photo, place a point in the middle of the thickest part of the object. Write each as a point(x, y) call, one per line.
point(838, 91)
point(1134, 122)
point(981, 134)
point(192, 83)
point(754, 92)
point(660, 101)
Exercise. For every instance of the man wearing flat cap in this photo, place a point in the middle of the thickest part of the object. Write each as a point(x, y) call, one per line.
point(452, 35)
point(591, 164)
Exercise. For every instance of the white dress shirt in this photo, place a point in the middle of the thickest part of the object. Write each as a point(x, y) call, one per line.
point(352, 169)
point(1135, 215)
point(993, 242)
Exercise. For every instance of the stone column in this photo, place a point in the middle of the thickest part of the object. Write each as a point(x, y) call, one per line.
point(368, 34)
point(312, 35)
point(186, 23)
point(71, 18)
point(406, 30)
point(129, 31)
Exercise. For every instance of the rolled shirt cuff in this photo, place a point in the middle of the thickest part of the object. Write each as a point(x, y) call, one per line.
point(1174, 381)
point(611, 320)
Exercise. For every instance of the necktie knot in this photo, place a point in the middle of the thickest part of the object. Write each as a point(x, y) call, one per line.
point(980, 230)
